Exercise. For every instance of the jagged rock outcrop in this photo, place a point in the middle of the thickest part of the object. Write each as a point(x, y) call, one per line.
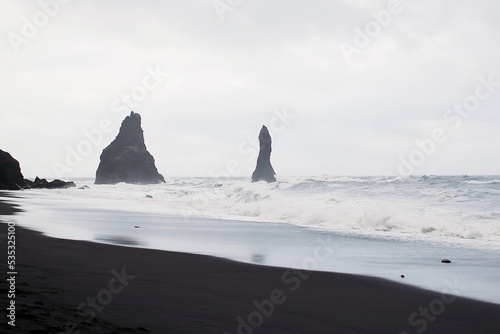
point(11, 177)
point(44, 184)
point(126, 159)
point(264, 170)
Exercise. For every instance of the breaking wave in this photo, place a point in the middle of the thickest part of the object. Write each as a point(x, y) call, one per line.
point(432, 207)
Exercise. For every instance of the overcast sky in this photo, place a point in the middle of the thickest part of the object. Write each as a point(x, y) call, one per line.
point(359, 82)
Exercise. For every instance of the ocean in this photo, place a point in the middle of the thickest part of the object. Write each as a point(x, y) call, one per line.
point(378, 226)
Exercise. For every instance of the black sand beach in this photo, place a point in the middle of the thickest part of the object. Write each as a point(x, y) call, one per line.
point(68, 286)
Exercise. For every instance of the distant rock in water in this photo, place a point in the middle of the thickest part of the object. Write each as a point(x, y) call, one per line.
point(126, 159)
point(44, 184)
point(11, 177)
point(264, 170)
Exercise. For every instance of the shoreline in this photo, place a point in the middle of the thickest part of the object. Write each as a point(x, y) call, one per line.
point(8, 208)
point(266, 244)
point(425, 231)
point(134, 290)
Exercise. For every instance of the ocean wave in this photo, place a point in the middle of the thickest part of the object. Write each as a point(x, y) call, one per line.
point(483, 182)
point(346, 205)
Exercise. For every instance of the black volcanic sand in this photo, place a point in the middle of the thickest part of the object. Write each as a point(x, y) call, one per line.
point(183, 293)
point(7, 208)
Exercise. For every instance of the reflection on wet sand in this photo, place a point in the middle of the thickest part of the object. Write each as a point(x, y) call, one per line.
point(119, 240)
point(258, 258)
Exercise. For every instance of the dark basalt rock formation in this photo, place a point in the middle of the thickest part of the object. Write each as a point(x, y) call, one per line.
point(44, 184)
point(126, 159)
point(264, 170)
point(11, 177)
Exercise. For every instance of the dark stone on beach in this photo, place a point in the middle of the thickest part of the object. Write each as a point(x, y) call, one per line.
point(445, 261)
point(126, 159)
point(11, 177)
point(264, 170)
point(149, 196)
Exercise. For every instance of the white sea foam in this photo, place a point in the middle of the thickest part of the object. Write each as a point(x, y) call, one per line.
point(451, 209)
point(483, 182)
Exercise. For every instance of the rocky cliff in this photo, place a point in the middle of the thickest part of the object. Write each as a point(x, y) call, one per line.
point(11, 177)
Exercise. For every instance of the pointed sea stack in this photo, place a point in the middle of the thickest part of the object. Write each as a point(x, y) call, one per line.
point(264, 170)
point(126, 159)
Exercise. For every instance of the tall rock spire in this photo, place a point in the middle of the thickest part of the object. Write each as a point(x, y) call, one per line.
point(126, 159)
point(264, 170)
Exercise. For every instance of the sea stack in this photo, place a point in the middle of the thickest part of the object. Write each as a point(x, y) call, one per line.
point(126, 159)
point(264, 170)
